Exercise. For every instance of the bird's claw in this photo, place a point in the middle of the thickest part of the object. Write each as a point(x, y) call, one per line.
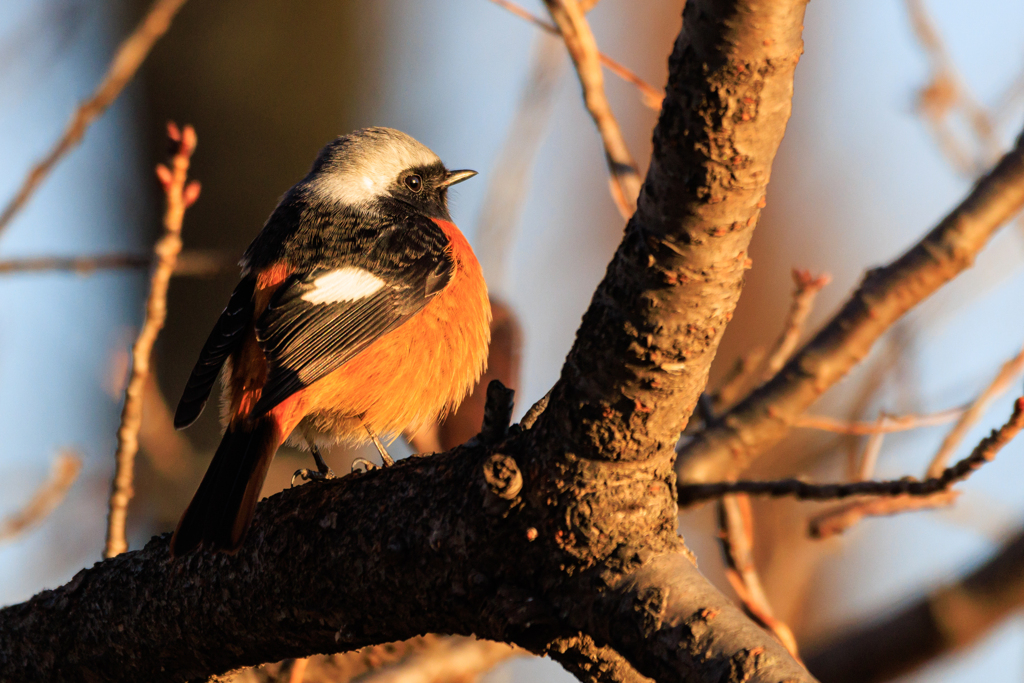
point(312, 475)
point(367, 465)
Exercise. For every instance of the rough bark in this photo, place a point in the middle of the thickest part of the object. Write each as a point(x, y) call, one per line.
point(562, 538)
point(642, 354)
point(726, 448)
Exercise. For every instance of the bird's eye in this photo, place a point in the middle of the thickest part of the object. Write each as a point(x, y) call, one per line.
point(414, 182)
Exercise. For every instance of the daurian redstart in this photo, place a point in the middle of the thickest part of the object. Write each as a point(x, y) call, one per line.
point(361, 310)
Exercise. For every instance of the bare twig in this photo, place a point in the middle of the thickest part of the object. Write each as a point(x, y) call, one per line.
point(736, 535)
point(738, 381)
point(651, 96)
point(193, 262)
point(984, 452)
point(579, 40)
point(999, 386)
point(507, 189)
point(806, 290)
point(758, 364)
point(838, 519)
point(130, 55)
point(872, 448)
point(728, 447)
point(945, 92)
point(47, 497)
point(892, 423)
point(179, 197)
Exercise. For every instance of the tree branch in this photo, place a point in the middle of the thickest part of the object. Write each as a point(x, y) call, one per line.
point(192, 262)
point(950, 618)
point(179, 197)
point(579, 41)
point(45, 500)
point(564, 529)
point(984, 452)
point(736, 536)
point(130, 55)
point(643, 351)
point(650, 95)
point(1009, 372)
point(725, 449)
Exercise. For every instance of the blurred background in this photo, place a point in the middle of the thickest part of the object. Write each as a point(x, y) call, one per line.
point(871, 160)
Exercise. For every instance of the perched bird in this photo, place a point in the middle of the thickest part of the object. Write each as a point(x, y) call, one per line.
point(361, 311)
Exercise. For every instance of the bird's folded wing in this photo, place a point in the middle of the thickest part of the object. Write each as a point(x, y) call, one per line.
point(224, 338)
point(318, 321)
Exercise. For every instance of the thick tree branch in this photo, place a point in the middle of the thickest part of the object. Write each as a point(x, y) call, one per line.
point(642, 354)
point(373, 573)
point(727, 448)
point(563, 530)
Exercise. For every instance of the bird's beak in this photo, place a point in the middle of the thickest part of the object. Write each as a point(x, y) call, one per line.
point(456, 177)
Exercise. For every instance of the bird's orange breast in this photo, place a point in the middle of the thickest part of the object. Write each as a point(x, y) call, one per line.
point(409, 377)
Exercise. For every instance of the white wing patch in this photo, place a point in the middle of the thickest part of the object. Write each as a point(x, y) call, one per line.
point(344, 284)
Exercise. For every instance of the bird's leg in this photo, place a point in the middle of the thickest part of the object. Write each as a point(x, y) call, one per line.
point(384, 455)
point(323, 472)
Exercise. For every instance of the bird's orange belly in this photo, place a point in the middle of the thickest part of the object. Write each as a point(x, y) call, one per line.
point(407, 378)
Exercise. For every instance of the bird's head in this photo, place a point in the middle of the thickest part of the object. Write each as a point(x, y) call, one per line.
point(371, 169)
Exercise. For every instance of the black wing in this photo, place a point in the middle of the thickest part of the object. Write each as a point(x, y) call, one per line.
point(305, 341)
point(226, 335)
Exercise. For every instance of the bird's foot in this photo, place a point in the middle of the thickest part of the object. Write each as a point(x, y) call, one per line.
point(367, 466)
point(385, 457)
point(312, 475)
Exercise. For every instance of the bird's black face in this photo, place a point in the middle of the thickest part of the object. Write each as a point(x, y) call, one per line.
point(425, 188)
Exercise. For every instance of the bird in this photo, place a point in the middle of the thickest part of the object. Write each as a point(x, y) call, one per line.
point(361, 311)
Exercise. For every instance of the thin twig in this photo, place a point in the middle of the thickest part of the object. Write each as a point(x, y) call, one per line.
point(47, 497)
point(650, 95)
point(193, 262)
point(736, 536)
point(579, 41)
point(839, 519)
point(759, 365)
point(872, 449)
point(179, 197)
point(946, 91)
point(507, 188)
point(984, 452)
point(892, 423)
point(805, 291)
point(724, 449)
point(739, 380)
point(130, 55)
point(1000, 385)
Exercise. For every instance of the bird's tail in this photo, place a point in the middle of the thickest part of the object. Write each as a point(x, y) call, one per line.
point(222, 508)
